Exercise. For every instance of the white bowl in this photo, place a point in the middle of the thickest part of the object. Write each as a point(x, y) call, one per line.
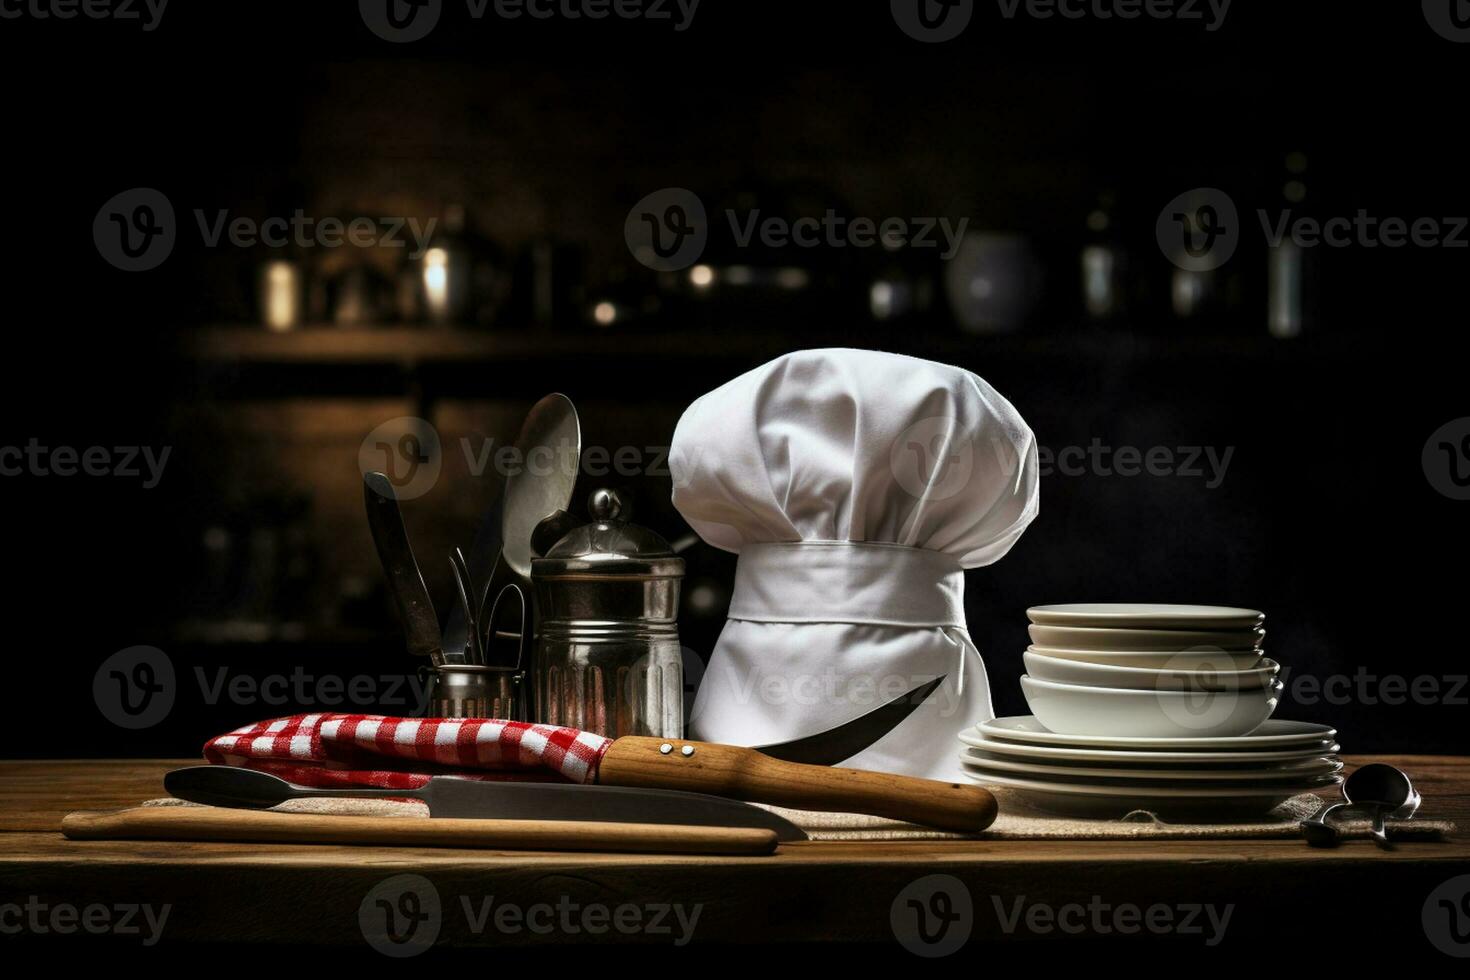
point(1074, 709)
point(1147, 615)
point(1173, 678)
point(1100, 638)
point(1157, 660)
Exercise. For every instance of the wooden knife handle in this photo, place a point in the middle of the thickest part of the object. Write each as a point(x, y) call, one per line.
point(219, 824)
point(745, 774)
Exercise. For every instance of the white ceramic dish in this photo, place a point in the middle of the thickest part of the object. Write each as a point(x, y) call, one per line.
point(1146, 615)
point(1205, 805)
point(1047, 668)
point(1274, 734)
point(1298, 772)
point(1158, 660)
point(1145, 640)
point(1157, 757)
point(1074, 709)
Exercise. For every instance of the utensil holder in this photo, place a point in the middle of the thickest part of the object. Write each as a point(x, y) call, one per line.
point(474, 691)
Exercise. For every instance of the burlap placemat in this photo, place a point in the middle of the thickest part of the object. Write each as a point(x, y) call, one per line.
point(1015, 822)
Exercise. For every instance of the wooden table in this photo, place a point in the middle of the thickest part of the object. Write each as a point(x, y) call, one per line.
point(818, 892)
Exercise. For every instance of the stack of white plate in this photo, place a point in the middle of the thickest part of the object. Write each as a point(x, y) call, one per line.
point(1149, 706)
point(1204, 779)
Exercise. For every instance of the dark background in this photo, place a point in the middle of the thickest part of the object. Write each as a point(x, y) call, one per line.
point(252, 555)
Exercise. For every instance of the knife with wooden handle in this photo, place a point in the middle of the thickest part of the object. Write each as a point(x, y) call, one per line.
point(750, 775)
point(212, 824)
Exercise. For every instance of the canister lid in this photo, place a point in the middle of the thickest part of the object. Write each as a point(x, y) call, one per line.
point(609, 545)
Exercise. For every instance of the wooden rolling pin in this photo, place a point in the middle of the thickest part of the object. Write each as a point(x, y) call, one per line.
point(218, 824)
point(745, 774)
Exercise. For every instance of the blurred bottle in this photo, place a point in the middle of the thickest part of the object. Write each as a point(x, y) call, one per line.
point(1104, 263)
point(461, 279)
point(1290, 269)
point(993, 283)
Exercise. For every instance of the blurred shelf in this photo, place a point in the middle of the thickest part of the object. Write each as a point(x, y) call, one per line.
point(414, 346)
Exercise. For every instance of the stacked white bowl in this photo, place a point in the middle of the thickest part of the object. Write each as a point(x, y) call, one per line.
point(1150, 706)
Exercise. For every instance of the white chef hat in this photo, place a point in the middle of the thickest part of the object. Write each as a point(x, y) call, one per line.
point(855, 486)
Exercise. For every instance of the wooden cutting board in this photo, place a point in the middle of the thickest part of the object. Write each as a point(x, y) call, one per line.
point(219, 824)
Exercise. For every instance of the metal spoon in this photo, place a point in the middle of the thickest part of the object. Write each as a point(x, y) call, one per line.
point(1382, 789)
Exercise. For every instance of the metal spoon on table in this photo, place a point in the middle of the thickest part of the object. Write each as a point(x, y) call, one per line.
point(1384, 790)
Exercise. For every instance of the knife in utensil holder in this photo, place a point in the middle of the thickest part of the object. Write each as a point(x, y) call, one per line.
point(746, 774)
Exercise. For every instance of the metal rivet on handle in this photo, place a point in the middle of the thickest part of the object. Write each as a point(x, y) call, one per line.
point(688, 750)
point(666, 748)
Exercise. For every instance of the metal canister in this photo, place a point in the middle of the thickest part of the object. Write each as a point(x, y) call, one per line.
point(607, 656)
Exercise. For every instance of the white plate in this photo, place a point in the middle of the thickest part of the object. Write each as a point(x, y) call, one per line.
point(1205, 805)
point(1277, 733)
point(1145, 640)
point(1158, 659)
point(1314, 768)
point(1223, 758)
point(1146, 615)
point(1080, 710)
point(1222, 678)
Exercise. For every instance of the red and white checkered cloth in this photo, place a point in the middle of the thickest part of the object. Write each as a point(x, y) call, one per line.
point(403, 753)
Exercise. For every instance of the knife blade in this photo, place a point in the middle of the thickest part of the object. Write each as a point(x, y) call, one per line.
point(848, 739)
point(405, 580)
point(455, 797)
